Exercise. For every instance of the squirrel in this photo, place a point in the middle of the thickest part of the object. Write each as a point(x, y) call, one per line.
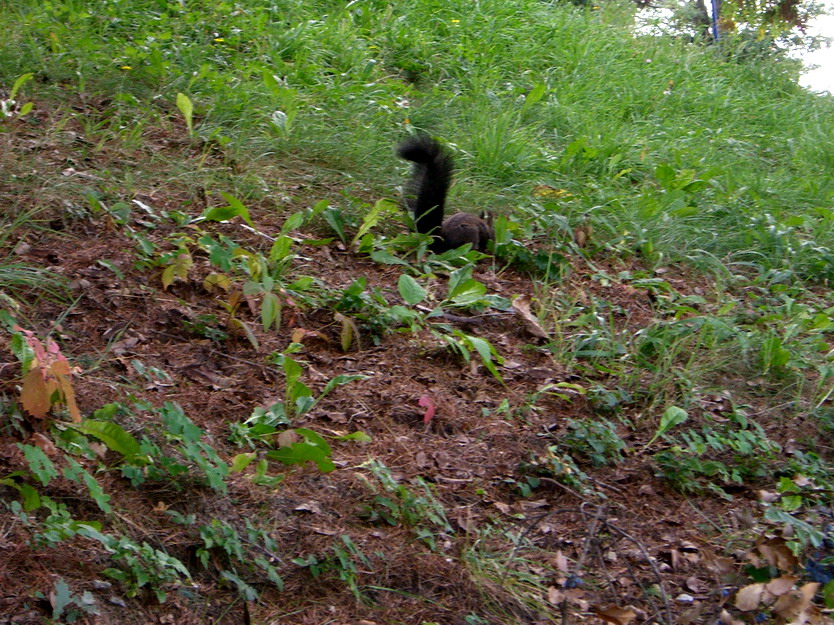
point(426, 198)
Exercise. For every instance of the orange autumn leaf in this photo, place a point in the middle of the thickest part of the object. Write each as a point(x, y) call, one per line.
point(49, 377)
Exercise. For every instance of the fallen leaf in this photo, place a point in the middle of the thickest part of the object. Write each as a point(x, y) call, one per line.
point(350, 331)
point(35, 394)
point(521, 307)
point(582, 233)
point(801, 480)
point(692, 614)
point(749, 597)
point(792, 604)
point(502, 507)
point(554, 595)
point(561, 562)
point(299, 334)
point(727, 619)
point(780, 585)
point(777, 553)
point(766, 496)
point(287, 438)
point(309, 506)
point(616, 615)
point(720, 565)
point(45, 444)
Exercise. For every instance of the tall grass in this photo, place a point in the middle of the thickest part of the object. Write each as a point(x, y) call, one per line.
point(700, 152)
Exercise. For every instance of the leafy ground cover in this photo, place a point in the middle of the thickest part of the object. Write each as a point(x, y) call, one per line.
point(234, 388)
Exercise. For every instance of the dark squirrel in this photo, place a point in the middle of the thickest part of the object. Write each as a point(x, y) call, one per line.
point(426, 198)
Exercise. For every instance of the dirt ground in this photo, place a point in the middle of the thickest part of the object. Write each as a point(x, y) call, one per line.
point(554, 554)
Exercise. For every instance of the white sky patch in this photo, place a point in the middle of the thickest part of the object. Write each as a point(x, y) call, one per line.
point(819, 76)
point(822, 77)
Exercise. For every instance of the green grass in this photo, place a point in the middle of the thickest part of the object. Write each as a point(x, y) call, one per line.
point(559, 116)
point(624, 122)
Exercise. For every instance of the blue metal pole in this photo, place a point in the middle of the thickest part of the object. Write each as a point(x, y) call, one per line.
point(715, 4)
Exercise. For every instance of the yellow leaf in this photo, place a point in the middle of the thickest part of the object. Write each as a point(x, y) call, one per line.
point(349, 331)
point(167, 276)
point(215, 281)
point(177, 269)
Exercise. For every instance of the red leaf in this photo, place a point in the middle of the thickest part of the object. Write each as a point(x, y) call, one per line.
point(427, 403)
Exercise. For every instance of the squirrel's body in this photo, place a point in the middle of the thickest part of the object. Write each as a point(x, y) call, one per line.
point(426, 198)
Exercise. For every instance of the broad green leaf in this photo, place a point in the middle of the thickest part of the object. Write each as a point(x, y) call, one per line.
point(340, 380)
point(469, 292)
point(241, 461)
point(410, 290)
point(314, 439)
point(114, 436)
point(333, 216)
point(177, 269)
point(292, 222)
point(281, 248)
point(295, 387)
point(536, 94)
point(486, 351)
point(60, 598)
point(270, 311)
point(319, 207)
point(672, 417)
point(457, 278)
point(76, 472)
point(359, 437)
point(303, 403)
point(665, 174)
point(299, 453)
point(224, 213)
point(386, 258)
point(187, 110)
point(30, 496)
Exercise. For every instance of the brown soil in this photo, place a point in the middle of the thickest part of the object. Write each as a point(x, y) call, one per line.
point(630, 540)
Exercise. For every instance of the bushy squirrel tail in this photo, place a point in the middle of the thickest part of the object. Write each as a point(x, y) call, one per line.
point(430, 181)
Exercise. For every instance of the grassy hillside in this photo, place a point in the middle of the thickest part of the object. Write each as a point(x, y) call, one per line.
point(233, 387)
